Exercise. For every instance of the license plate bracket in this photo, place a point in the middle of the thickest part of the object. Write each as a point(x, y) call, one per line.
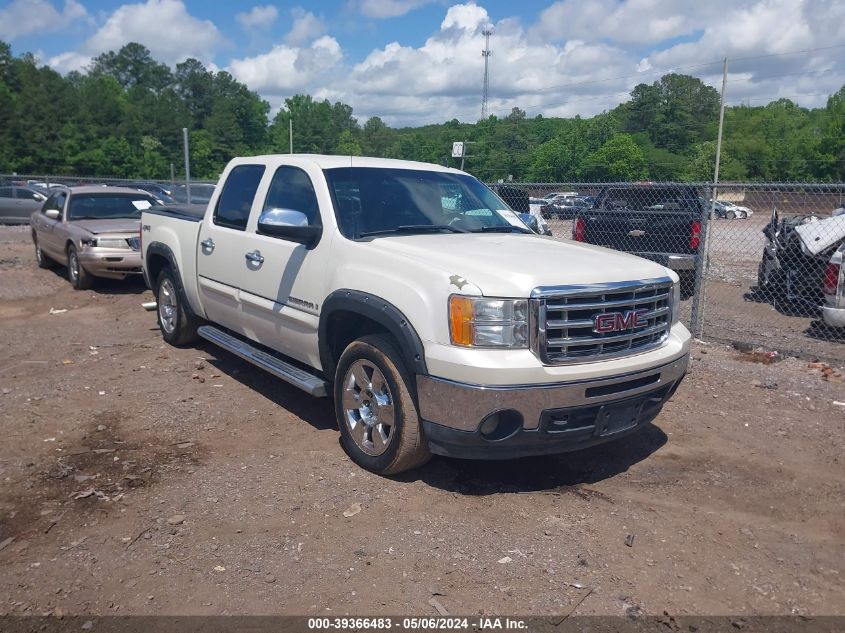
point(619, 416)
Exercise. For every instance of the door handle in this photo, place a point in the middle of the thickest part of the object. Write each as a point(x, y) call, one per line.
point(207, 244)
point(255, 257)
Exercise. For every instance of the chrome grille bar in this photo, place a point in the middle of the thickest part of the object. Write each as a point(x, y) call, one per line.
point(563, 320)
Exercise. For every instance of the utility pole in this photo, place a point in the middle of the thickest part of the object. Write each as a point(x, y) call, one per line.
point(486, 54)
point(172, 175)
point(187, 166)
point(290, 133)
point(703, 260)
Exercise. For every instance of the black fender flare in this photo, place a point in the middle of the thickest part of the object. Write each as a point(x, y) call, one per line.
point(378, 310)
point(159, 248)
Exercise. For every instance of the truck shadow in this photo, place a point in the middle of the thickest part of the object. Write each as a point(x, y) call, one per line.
point(551, 473)
point(318, 412)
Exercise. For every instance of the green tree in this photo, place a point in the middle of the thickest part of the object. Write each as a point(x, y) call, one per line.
point(619, 159)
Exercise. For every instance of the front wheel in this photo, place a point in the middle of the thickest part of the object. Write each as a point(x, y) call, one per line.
point(177, 323)
point(41, 259)
point(79, 278)
point(379, 425)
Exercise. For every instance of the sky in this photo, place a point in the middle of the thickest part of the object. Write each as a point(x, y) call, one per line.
point(414, 62)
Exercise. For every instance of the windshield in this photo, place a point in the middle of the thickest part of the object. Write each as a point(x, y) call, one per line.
point(108, 206)
point(374, 201)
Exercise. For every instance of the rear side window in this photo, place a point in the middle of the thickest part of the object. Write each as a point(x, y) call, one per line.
point(292, 189)
point(6, 192)
point(235, 201)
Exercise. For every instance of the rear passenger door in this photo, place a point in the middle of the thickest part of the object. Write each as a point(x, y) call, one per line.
point(221, 246)
point(284, 280)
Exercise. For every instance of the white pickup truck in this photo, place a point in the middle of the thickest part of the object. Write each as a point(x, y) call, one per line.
point(412, 295)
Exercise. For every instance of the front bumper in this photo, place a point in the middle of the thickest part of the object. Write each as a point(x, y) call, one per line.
point(554, 418)
point(111, 263)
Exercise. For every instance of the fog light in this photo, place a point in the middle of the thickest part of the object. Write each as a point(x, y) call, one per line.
point(500, 425)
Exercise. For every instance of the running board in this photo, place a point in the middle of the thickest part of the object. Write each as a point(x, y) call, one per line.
point(280, 369)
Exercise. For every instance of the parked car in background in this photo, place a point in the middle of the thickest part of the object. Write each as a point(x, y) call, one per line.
point(654, 221)
point(18, 203)
point(730, 210)
point(94, 231)
point(833, 309)
point(795, 257)
point(520, 202)
point(159, 191)
point(553, 195)
point(200, 194)
point(565, 208)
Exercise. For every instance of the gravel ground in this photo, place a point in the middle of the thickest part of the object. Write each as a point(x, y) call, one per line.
point(136, 478)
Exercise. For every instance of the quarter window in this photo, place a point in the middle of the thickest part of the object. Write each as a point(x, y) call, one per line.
point(292, 189)
point(235, 201)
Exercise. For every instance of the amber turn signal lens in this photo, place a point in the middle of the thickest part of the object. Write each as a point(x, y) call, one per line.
point(460, 320)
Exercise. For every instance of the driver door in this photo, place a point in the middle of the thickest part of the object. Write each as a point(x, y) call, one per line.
point(283, 282)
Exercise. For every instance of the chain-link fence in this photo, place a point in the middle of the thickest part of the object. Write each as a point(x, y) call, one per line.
point(760, 265)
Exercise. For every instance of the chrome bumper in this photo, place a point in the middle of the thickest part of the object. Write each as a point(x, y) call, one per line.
point(834, 317)
point(673, 262)
point(463, 406)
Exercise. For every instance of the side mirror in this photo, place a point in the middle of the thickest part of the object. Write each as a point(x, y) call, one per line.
point(53, 214)
point(40, 197)
point(289, 224)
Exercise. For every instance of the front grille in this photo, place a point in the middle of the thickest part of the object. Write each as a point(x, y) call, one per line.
point(565, 320)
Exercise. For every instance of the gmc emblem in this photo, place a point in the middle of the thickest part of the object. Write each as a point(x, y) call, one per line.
point(619, 321)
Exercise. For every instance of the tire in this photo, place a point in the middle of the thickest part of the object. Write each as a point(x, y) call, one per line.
point(177, 322)
point(78, 277)
point(768, 282)
point(41, 259)
point(380, 428)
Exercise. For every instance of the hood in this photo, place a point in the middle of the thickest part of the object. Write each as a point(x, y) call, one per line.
point(511, 265)
point(118, 225)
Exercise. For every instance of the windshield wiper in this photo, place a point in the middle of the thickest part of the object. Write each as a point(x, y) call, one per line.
point(414, 228)
point(503, 229)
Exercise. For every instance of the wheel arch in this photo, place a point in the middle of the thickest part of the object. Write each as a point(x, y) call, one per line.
point(349, 314)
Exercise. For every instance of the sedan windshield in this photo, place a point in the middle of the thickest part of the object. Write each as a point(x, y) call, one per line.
point(108, 206)
point(375, 201)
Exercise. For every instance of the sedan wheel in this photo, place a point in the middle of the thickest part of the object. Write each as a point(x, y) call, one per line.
point(79, 278)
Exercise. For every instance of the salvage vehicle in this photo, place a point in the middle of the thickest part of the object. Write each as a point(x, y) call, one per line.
point(91, 230)
point(417, 299)
point(17, 203)
point(658, 222)
point(833, 310)
point(796, 254)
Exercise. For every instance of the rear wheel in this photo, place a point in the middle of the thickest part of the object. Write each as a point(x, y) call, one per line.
point(79, 278)
point(379, 425)
point(177, 323)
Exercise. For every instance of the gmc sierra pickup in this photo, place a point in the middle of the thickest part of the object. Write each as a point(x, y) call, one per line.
point(412, 295)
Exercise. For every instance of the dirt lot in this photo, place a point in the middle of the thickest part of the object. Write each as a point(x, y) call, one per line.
point(136, 478)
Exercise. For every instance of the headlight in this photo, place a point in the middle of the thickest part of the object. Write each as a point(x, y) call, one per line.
point(109, 242)
point(480, 322)
point(676, 302)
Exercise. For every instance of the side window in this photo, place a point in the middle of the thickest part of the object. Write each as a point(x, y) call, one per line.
point(238, 193)
point(292, 189)
point(6, 192)
point(56, 201)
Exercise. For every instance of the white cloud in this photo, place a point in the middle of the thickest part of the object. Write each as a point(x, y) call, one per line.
point(306, 27)
point(288, 69)
point(163, 26)
point(259, 17)
point(25, 17)
point(381, 9)
point(66, 62)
